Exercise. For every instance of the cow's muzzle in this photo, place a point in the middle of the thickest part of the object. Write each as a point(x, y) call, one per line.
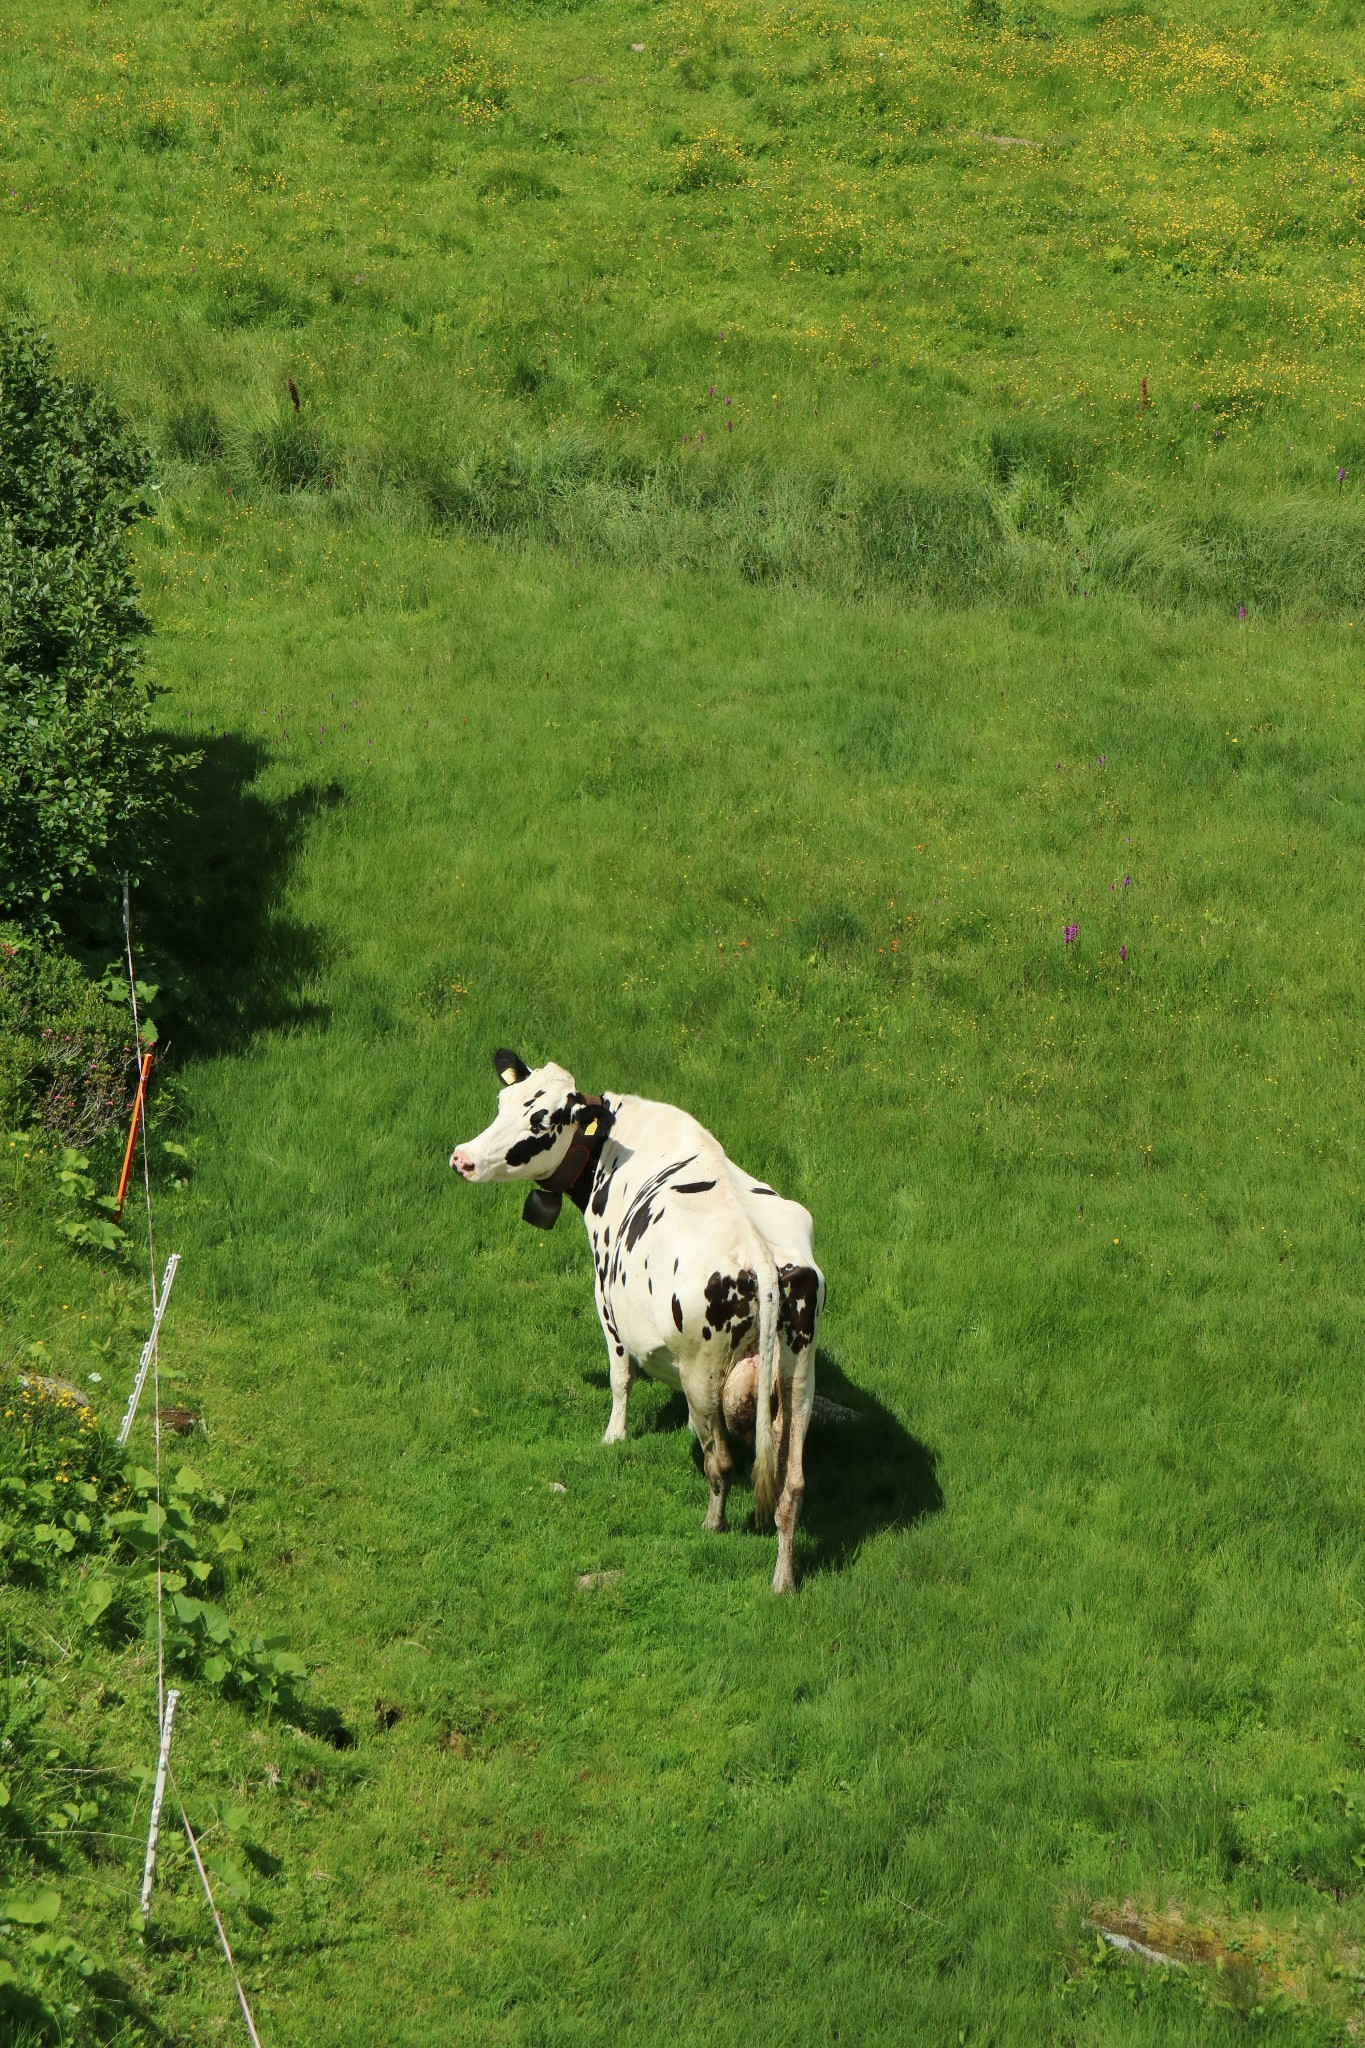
point(463, 1163)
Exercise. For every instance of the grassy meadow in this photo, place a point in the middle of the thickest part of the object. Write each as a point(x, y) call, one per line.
point(765, 772)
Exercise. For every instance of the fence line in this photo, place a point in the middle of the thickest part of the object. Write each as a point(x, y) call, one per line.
point(217, 1921)
point(165, 1702)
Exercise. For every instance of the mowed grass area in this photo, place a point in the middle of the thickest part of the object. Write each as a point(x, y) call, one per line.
point(1081, 1612)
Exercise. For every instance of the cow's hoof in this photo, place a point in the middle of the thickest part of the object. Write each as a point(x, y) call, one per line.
point(615, 1436)
point(715, 1519)
point(784, 1579)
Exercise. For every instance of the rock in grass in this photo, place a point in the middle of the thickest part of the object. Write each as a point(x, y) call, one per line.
point(588, 1582)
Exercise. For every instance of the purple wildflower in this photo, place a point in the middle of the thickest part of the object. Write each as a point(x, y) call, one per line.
point(1123, 952)
point(1102, 761)
point(1127, 880)
point(1341, 477)
point(1241, 611)
point(1070, 934)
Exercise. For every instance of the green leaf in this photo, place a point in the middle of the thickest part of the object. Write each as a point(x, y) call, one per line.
point(187, 1481)
point(4, 1792)
point(231, 1878)
point(216, 1669)
point(99, 1593)
point(31, 1909)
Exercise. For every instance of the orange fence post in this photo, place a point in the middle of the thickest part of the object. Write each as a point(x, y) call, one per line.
point(138, 1100)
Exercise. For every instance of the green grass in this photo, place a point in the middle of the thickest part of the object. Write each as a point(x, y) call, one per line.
point(905, 275)
point(1081, 1612)
point(525, 720)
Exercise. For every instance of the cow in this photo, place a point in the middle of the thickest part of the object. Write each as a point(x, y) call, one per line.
point(704, 1277)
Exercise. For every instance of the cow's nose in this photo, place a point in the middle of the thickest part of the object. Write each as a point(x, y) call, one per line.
point(462, 1163)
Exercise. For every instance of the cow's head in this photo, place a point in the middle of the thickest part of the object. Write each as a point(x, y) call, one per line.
point(543, 1123)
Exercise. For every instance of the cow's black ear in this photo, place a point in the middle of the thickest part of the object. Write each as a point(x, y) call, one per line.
point(592, 1116)
point(511, 1067)
point(542, 1208)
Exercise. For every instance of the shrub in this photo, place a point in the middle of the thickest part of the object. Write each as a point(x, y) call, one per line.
point(66, 1061)
point(80, 778)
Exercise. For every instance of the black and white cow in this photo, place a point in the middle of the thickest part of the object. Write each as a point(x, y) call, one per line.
point(704, 1277)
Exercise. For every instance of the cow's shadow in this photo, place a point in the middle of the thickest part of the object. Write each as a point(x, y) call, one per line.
point(864, 1474)
point(865, 1471)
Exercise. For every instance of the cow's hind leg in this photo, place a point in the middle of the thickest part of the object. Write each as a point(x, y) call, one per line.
point(803, 1297)
point(798, 1398)
point(703, 1408)
point(622, 1370)
point(719, 1472)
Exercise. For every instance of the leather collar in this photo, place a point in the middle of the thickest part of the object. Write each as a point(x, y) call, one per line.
point(571, 1176)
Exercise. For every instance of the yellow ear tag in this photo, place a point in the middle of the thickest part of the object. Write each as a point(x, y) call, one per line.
point(590, 1130)
point(509, 1075)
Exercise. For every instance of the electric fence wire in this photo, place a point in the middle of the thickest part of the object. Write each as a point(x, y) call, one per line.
point(163, 1729)
point(217, 1919)
point(156, 1364)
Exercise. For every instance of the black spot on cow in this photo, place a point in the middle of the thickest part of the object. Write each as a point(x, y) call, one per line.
point(731, 1298)
point(675, 1265)
point(706, 1333)
point(694, 1187)
point(636, 1224)
point(677, 1309)
point(620, 1351)
point(531, 1148)
point(600, 1193)
point(798, 1304)
point(764, 1191)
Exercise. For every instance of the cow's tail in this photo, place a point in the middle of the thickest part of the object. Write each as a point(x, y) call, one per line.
point(765, 1440)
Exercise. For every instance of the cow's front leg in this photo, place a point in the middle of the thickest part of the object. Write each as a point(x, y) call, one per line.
point(622, 1369)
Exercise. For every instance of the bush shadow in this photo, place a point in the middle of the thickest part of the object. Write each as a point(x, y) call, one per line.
point(213, 905)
